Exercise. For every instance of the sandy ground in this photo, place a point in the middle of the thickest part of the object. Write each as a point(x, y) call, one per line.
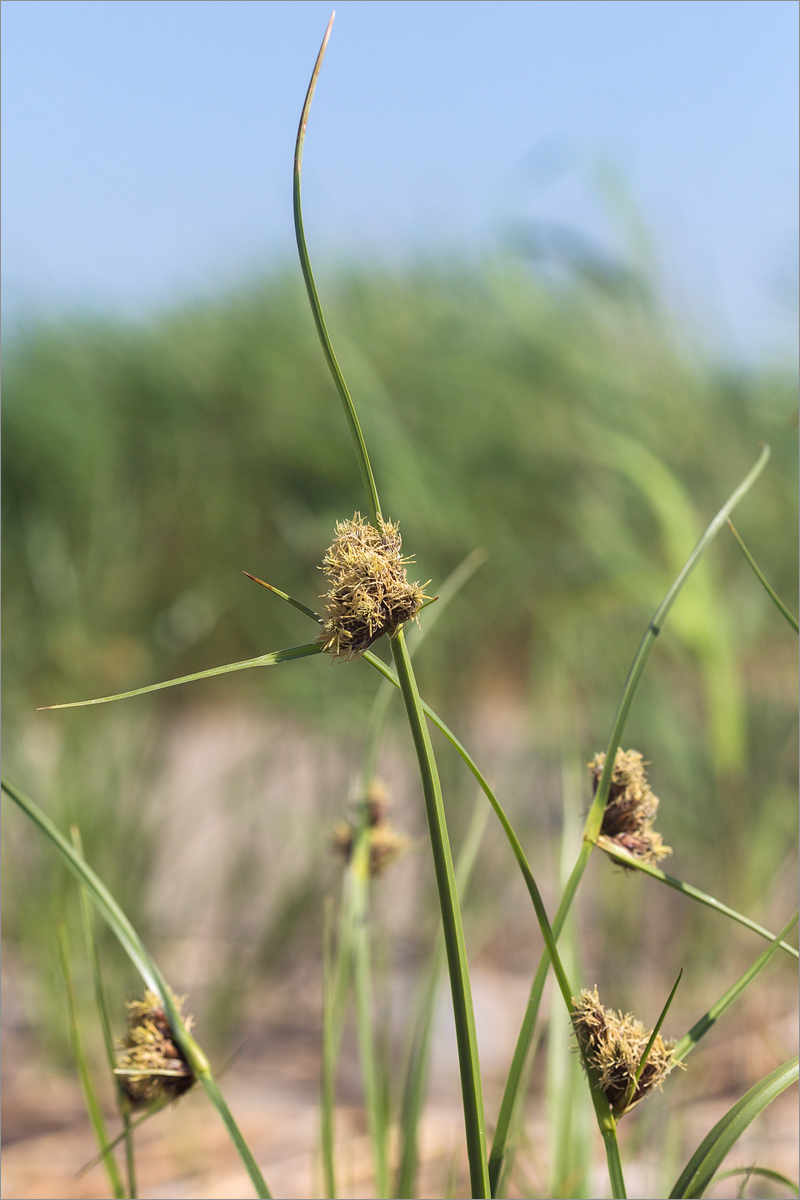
point(272, 1088)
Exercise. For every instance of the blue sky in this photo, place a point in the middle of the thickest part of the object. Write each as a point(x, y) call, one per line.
point(147, 144)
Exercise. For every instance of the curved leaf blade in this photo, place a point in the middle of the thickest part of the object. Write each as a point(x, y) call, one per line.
point(626, 859)
point(264, 660)
point(710, 1018)
point(704, 1163)
point(773, 595)
point(761, 1173)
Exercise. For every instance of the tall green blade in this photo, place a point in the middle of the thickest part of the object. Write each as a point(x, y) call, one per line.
point(471, 1088)
point(367, 477)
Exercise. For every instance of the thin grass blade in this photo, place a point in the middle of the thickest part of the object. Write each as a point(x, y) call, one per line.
point(773, 595)
point(303, 608)
point(761, 1173)
point(656, 1030)
point(84, 1071)
point(112, 1145)
point(710, 1018)
point(367, 477)
point(356, 932)
point(622, 856)
point(704, 1163)
point(264, 660)
point(331, 1032)
point(123, 1105)
point(570, 1139)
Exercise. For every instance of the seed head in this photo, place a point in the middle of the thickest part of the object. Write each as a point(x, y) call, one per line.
point(369, 594)
point(614, 1045)
point(386, 844)
point(631, 807)
point(152, 1066)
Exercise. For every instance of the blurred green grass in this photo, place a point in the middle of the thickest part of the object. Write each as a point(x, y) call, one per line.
point(571, 429)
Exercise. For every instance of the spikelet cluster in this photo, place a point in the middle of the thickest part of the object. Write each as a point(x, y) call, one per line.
point(149, 1046)
point(631, 807)
point(386, 844)
point(369, 594)
point(614, 1045)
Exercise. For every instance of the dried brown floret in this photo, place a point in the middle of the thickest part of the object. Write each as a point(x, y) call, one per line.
point(369, 593)
point(152, 1066)
point(631, 807)
point(377, 802)
point(386, 844)
point(614, 1045)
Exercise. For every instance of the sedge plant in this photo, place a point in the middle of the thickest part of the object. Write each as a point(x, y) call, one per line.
point(370, 597)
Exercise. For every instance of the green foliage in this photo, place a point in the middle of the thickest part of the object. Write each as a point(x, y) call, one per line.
point(145, 467)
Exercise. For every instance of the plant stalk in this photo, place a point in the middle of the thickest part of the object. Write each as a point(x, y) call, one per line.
point(471, 1089)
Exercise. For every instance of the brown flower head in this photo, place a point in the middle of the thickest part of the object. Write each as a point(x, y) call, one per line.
point(614, 1045)
point(152, 1066)
point(631, 807)
point(386, 844)
point(369, 594)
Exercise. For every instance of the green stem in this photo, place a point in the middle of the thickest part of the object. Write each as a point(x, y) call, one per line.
point(84, 1072)
point(614, 1163)
point(130, 1157)
point(358, 880)
point(123, 1104)
point(333, 989)
point(416, 1077)
point(471, 1090)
